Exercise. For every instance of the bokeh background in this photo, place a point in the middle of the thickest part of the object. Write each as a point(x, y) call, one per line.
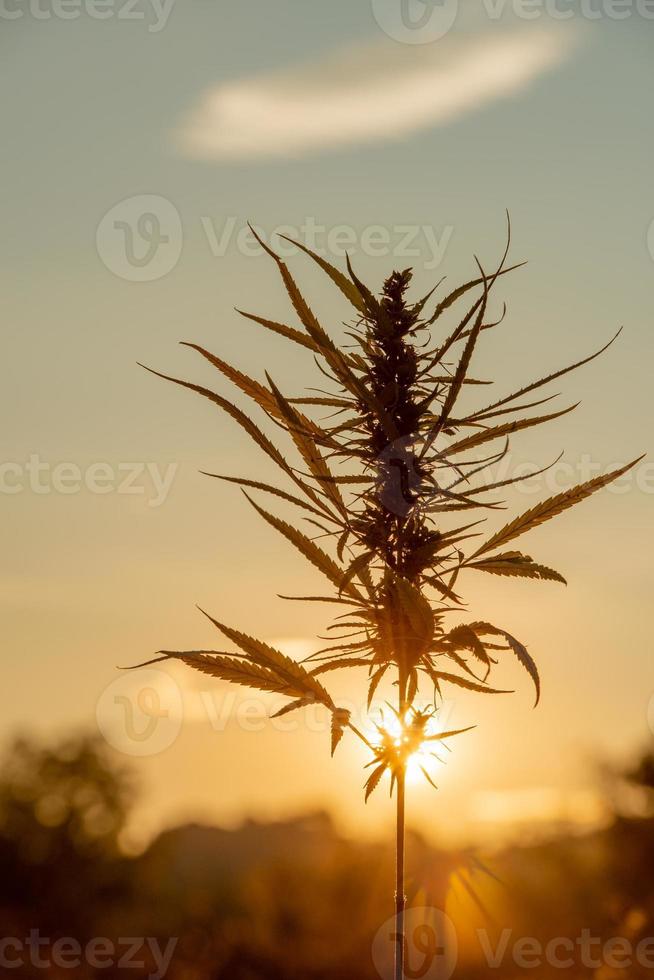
point(138, 141)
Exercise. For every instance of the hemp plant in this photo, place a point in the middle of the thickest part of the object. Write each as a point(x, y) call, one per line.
point(392, 477)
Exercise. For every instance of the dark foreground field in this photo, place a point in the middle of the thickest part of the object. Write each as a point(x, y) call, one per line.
point(293, 900)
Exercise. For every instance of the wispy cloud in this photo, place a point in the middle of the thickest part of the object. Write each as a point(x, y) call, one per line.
point(367, 93)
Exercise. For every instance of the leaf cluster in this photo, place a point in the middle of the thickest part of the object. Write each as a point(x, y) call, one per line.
point(390, 479)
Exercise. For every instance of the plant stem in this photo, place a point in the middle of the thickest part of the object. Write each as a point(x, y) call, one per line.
point(400, 897)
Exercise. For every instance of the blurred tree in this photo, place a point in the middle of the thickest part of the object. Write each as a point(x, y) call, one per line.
point(62, 809)
point(642, 775)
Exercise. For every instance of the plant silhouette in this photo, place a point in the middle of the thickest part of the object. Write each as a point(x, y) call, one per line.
point(393, 480)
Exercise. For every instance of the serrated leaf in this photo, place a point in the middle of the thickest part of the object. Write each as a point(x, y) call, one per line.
point(375, 681)
point(464, 637)
point(372, 306)
point(440, 675)
point(299, 428)
point(417, 608)
point(247, 385)
point(267, 488)
point(360, 562)
point(285, 331)
point(513, 563)
point(293, 706)
point(460, 290)
point(272, 659)
point(246, 423)
point(551, 377)
point(338, 664)
point(340, 721)
point(550, 508)
point(412, 687)
point(348, 288)
point(500, 431)
point(308, 548)
point(373, 780)
point(328, 402)
point(320, 598)
point(327, 348)
point(518, 648)
point(460, 373)
point(309, 321)
point(228, 668)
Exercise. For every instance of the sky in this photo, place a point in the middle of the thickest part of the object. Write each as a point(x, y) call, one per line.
point(138, 142)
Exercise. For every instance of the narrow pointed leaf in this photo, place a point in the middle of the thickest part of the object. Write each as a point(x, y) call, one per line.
point(551, 508)
point(249, 386)
point(340, 721)
point(500, 431)
point(271, 658)
point(308, 548)
point(347, 287)
point(518, 648)
point(267, 488)
point(552, 377)
point(513, 563)
point(281, 328)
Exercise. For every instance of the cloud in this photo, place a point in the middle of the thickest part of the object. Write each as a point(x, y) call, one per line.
point(367, 93)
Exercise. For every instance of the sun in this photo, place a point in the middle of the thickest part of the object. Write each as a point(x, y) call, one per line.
point(424, 758)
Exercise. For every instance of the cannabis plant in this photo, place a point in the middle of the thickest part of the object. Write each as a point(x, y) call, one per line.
point(391, 475)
